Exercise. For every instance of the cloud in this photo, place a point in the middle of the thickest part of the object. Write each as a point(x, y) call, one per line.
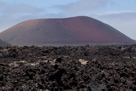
point(13, 14)
point(82, 5)
point(116, 12)
point(15, 9)
point(123, 21)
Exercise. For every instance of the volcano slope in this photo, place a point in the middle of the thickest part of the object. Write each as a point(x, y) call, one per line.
point(82, 68)
point(2, 43)
point(64, 31)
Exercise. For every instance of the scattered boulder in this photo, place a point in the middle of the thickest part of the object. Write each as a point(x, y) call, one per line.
point(82, 61)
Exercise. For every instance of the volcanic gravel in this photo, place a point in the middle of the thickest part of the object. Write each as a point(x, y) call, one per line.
point(68, 68)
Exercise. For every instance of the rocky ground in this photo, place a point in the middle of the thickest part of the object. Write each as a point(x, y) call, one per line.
point(67, 68)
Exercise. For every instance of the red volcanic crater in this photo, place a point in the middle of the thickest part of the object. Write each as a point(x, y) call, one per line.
point(75, 30)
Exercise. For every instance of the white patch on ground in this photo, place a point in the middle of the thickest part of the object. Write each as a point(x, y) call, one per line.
point(94, 60)
point(83, 62)
point(126, 57)
point(18, 63)
point(52, 62)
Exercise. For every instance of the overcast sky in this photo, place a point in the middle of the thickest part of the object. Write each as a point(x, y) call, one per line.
point(120, 14)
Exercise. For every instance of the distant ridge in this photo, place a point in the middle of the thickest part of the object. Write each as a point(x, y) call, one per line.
point(73, 30)
point(2, 43)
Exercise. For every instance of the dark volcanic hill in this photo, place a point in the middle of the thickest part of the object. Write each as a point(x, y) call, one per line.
point(2, 43)
point(75, 30)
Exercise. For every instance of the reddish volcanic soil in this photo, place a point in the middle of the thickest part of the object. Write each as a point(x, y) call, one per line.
point(75, 30)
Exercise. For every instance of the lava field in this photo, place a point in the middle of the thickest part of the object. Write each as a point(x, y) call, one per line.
point(68, 68)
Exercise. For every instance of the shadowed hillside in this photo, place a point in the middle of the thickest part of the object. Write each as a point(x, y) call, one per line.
point(75, 30)
point(2, 43)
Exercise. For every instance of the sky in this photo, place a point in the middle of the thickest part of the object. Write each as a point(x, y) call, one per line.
point(120, 14)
